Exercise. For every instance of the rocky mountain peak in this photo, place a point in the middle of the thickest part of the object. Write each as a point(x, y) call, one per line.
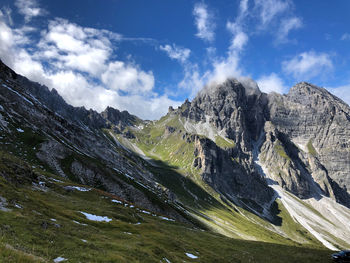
point(315, 97)
point(220, 91)
point(119, 118)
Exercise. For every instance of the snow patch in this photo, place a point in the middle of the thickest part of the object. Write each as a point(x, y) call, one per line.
point(3, 204)
point(116, 201)
point(59, 259)
point(20, 95)
point(96, 218)
point(191, 255)
point(56, 180)
point(168, 219)
point(145, 212)
point(79, 223)
point(20, 130)
point(324, 220)
point(78, 188)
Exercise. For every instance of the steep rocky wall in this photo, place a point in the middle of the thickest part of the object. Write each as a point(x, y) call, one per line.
point(318, 123)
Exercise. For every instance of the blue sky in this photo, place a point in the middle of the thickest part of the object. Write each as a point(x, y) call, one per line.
point(143, 56)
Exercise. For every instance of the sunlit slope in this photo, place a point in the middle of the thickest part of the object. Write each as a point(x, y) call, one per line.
point(169, 148)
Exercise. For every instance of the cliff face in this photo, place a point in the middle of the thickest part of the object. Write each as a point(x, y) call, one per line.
point(231, 114)
point(303, 140)
point(315, 126)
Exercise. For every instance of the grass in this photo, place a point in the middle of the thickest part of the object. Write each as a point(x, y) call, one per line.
point(224, 143)
point(311, 148)
point(9, 254)
point(278, 147)
point(174, 170)
point(28, 234)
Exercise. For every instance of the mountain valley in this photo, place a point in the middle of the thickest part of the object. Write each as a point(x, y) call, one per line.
point(235, 175)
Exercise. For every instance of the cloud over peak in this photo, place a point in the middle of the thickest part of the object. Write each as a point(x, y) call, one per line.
point(271, 83)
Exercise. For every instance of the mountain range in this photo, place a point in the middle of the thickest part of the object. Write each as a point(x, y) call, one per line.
point(234, 175)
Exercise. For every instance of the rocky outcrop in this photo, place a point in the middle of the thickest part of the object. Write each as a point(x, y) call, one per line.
point(306, 144)
point(318, 124)
point(228, 111)
point(120, 119)
point(71, 142)
point(222, 170)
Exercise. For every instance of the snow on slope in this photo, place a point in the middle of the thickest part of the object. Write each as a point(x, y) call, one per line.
point(324, 218)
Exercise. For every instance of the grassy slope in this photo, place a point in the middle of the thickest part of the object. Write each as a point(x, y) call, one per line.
point(28, 234)
point(174, 170)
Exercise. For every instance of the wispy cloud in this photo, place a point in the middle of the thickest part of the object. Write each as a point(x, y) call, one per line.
point(220, 67)
point(345, 36)
point(29, 8)
point(6, 13)
point(180, 54)
point(286, 26)
point(204, 22)
point(277, 17)
point(307, 65)
point(270, 9)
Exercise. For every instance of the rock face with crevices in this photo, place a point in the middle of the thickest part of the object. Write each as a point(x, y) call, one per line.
point(303, 139)
point(315, 126)
point(231, 112)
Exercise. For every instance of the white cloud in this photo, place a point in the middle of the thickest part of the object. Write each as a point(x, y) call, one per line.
point(271, 83)
point(225, 68)
point(29, 8)
point(342, 92)
point(221, 68)
point(276, 17)
point(175, 52)
point(286, 26)
point(204, 22)
point(128, 78)
point(239, 38)
point(307, 65)
point(269, 9)
point(82, 67)
point(345, 36)
point(6, 41)
point(6, 12)
point(67, 45)
point(243, 7)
